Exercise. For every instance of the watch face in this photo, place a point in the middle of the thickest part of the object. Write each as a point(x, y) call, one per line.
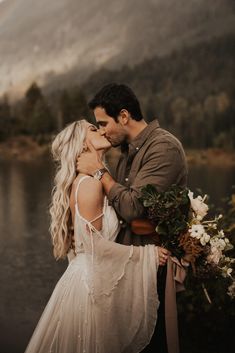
point(98, 174)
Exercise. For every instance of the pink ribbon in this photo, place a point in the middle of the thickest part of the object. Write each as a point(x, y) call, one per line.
point(176, 274)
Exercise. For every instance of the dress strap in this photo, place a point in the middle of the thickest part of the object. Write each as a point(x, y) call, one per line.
point(76, 198)
point(95, 219)
point(78, 184)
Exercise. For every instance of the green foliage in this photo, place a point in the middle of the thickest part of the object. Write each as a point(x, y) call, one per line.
point(206, 289)
point(32, 95)
point(168, 210)
point(5, 119)
point(41, 120)
point(212, 323)
point(38, 115)
point(228, 220)
point(72, 106)
point(34, 113)
point(191, 92)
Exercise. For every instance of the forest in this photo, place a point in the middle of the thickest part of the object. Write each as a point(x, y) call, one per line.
point(190, 92)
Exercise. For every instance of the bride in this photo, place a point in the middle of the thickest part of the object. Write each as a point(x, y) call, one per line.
point(106, 300)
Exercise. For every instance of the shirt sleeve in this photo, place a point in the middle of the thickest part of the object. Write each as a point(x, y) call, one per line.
point(163, 165)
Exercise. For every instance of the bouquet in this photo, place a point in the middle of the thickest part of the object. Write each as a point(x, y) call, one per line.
point(179, 220)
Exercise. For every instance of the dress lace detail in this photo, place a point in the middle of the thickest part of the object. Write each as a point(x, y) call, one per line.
point(106, 301)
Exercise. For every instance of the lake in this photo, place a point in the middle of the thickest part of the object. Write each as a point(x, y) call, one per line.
point(28, 271)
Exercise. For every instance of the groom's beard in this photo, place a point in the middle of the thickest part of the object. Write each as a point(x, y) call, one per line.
point(118, 140)
point(124, 147)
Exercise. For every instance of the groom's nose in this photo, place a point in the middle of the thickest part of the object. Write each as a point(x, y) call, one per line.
point(102, 131)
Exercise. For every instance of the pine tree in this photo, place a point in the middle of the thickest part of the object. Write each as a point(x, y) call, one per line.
point(5, 119)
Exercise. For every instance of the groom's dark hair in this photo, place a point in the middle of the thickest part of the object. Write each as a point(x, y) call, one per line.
point(115, 97)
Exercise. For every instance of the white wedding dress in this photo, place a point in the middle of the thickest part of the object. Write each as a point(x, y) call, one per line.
point(106, 301)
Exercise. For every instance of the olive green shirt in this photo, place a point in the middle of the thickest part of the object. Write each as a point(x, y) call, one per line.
point(155, 157)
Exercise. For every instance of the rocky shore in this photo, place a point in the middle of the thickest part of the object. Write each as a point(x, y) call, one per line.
point(25, 148)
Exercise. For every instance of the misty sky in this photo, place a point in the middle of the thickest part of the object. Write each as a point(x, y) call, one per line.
point(58, 36)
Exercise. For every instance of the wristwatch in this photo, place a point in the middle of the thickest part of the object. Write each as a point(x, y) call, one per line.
point(99, 173)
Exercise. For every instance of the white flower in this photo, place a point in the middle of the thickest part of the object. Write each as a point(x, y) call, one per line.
point(199, 218)
point(198, 205)
point(221, 233)
point(219, 243)
point(229, 260)
point(215, 255)
point(231, 290)
point(226, 271)
point(213, 242)
point(204, 239)
point(197, 230)
point(229, 246)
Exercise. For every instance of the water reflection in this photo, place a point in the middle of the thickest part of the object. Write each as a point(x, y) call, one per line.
point(216, 181)
point(16, 195)
point(28, 271)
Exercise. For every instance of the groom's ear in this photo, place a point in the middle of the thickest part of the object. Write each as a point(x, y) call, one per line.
point(124, 117)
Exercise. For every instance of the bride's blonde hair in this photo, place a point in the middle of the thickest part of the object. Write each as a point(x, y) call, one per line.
point(66, 147)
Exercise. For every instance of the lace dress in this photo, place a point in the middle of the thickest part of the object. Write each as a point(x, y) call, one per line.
point(106, 300)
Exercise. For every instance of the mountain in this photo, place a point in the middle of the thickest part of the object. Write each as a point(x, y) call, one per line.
point(40, 40)
point(194, 73)
point(191, 91)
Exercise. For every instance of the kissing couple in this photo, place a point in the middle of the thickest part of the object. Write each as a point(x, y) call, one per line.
point(118, 293)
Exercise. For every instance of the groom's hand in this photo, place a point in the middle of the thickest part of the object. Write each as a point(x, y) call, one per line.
point(89, 162)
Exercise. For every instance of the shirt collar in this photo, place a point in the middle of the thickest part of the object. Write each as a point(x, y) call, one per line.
point(140, 139)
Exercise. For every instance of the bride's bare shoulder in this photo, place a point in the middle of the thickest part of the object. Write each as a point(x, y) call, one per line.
point(90, 189)
point(90, 200)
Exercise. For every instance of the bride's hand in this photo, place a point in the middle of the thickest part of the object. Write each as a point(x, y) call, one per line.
point(163, 255)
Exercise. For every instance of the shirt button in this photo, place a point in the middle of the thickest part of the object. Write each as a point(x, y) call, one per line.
point(126, 179)
point(137, 148)
point(121, 221)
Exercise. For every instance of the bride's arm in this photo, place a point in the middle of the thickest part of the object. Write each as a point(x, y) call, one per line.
point(161, 254)
point(90, 201)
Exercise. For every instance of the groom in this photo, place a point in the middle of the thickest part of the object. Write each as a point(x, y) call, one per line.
point(150, 155)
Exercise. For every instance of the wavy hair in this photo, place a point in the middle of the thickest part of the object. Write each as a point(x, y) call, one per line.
point(67, 145)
